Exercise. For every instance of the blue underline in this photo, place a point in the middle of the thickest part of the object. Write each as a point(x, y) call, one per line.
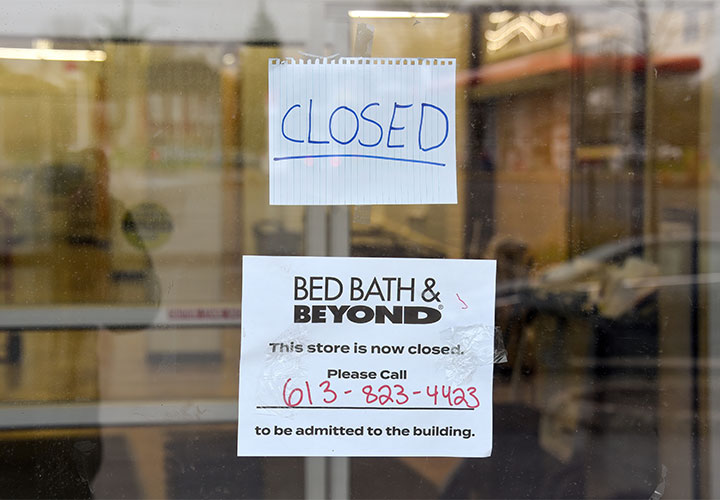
point(374, 157)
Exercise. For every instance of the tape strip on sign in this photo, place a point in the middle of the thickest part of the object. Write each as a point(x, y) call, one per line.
point(366, 357)
point(362, 131)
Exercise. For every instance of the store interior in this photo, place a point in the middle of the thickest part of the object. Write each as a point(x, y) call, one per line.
point(134, 177)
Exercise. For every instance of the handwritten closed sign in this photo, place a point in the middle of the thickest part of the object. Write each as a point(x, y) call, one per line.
point(362, 131)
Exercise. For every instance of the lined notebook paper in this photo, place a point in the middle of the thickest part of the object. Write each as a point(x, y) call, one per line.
point(360, 131)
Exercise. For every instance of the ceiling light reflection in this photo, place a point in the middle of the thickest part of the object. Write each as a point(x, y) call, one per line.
point(396, 14)
point(45, 54)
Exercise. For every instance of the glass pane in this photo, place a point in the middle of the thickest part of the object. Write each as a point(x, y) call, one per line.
point(131, 187)
point(134, 176)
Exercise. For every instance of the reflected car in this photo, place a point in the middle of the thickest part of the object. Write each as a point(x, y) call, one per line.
point(589, 340)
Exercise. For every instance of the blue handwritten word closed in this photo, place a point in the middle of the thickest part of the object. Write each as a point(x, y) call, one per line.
point(417, 127)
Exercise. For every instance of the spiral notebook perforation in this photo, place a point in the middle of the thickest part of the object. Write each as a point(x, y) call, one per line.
point(363, 60)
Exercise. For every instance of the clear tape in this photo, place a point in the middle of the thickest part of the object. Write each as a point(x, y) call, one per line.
point(477, 349)
point(281, 366)
point(501, 355)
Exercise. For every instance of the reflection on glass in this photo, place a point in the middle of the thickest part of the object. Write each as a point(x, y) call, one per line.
point(133, 176)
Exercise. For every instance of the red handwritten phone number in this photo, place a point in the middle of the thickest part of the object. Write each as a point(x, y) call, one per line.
point(383, 395)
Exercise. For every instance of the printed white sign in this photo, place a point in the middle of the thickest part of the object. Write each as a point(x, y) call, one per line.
point(362, 131)
point(366, 357)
